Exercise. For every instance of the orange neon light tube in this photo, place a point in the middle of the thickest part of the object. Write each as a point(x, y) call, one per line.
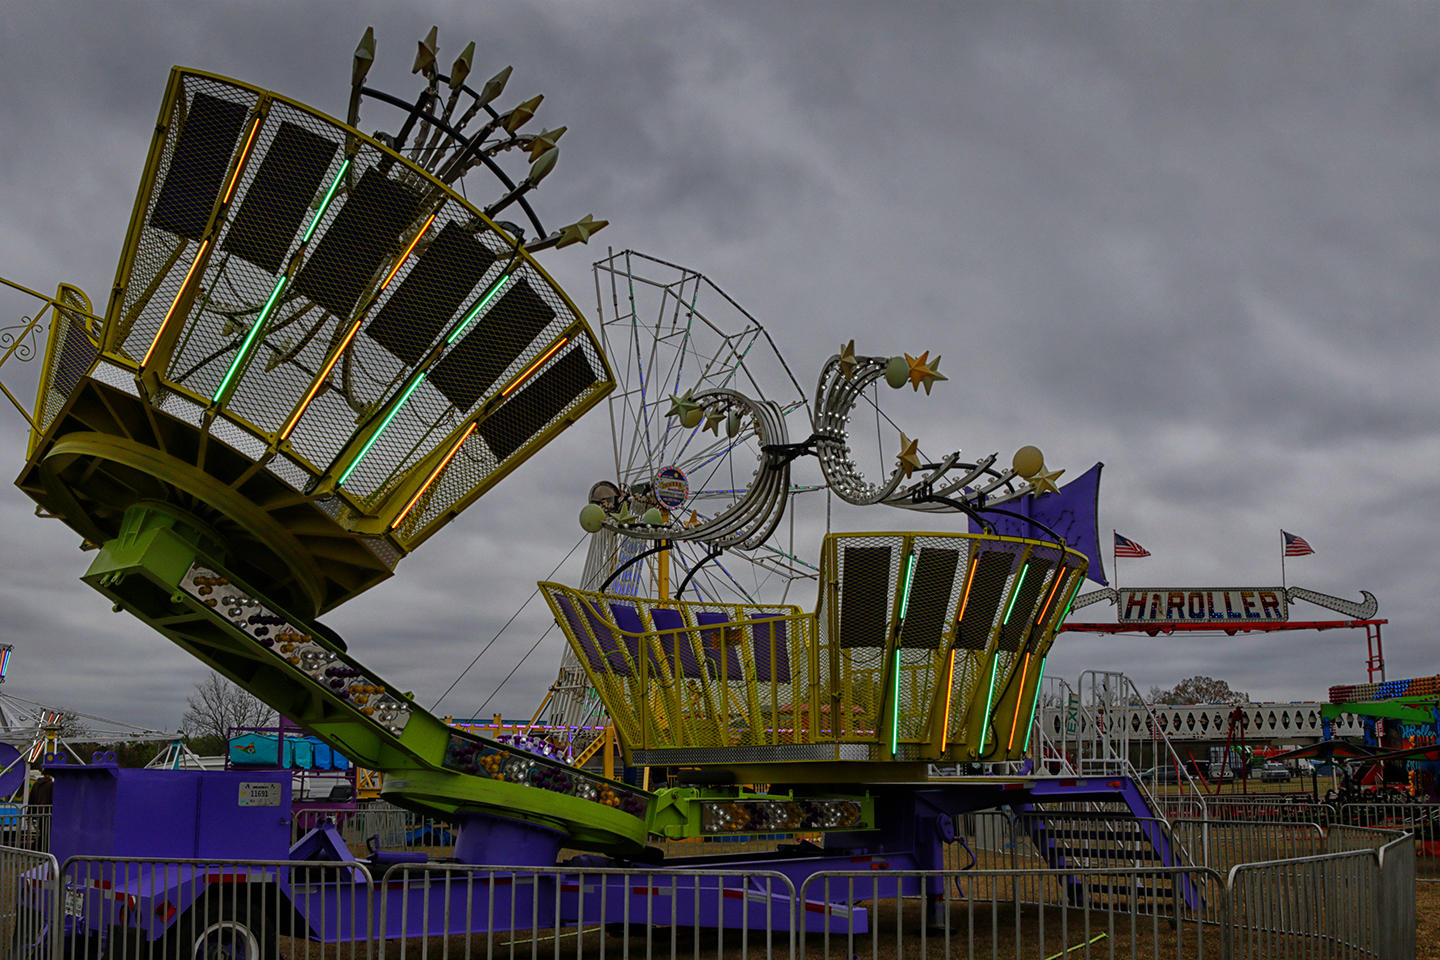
point(1019, 699)
point(315, 386)
point(406, 255)
point(1054, 589)
point(949, 689)
point(433, 475)
point(965, 598)
point(533, 367)
point(199, 255)
point(240, 164)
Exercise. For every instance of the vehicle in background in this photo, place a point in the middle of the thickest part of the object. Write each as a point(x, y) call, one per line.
point(1274, 773)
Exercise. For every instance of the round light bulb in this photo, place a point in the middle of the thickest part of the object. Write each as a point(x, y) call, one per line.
point(592, 517)
point(897, 372)
point(1028, 461)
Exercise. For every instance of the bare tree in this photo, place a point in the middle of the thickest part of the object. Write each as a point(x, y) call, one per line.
point(218, 705)
point(1199, 690)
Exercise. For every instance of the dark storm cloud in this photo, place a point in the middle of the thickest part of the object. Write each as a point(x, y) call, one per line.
point(1195, 242)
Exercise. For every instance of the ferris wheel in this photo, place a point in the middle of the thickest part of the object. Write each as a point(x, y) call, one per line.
point(672, 335)
point(700, 388)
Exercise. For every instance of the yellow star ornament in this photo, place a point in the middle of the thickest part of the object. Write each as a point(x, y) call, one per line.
point(909, 457)
point(1044, 482)
point(847, 360)
point(923, 371)
point(714, 416)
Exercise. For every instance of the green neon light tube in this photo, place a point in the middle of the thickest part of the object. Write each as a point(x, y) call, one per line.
point(895, 718)
point(1016, 594)
point(324, 204)
point(394, 409)
point(909, 576)
point(475, 310)
point(242, 356)
point(1034, 704)
point(989, 699)
point(248, 343)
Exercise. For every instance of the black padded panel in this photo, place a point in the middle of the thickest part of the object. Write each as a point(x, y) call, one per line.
point(362, 235)
point(865, 597)
point(986, 593)
point(431, 292)
point(536, 404)
point(276, 202)
point(472, 366)
point(198, 166)
point(930, 589)
point(1026, 599)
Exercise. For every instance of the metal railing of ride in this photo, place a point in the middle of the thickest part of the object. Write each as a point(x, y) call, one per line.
point(393, 827)
point(1112, 696)
point(1344, 903)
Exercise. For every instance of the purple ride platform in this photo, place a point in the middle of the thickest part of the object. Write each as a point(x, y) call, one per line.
point(105, 811)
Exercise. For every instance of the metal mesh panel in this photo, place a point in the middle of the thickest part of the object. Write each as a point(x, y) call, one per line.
point(71, 361)
point(412, 431)
point(162, 256)
point(477, 460)
point(311, 246)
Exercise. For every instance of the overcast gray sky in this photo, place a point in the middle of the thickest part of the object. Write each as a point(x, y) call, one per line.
point(1195, 241)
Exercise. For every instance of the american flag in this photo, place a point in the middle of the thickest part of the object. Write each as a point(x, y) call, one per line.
point(1296, 546)
point(1125, 547)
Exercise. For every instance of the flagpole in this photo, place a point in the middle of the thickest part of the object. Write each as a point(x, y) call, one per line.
point(1115, 560)
point(1283, 584)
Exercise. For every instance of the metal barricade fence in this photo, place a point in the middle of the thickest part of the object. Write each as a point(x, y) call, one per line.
point(1273, 807)
point(977, 913)
point(465, 911)
point(1357, 900)
point(29, 829)
point(148, 909)
point(29, 902)
point(1222, 844)
point(1420, 819)
point(1397, 898)
point(1324, 906)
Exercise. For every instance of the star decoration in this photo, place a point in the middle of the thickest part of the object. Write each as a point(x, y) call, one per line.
point(694, 520)
point(580, 231)
point(626, 515)
point(923, 371)
point(909, 456)
point(847, 360)
point(713, 418)
point(681, 406)
point(1044, 482)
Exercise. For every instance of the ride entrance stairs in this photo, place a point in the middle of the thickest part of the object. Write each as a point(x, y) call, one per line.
point(1097, 823)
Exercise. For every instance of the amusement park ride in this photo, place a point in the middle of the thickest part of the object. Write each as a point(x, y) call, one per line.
point(317, 353)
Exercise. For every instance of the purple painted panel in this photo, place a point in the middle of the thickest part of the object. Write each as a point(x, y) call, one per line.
point(771, 648)
point(711, 641)
point(678, 649)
